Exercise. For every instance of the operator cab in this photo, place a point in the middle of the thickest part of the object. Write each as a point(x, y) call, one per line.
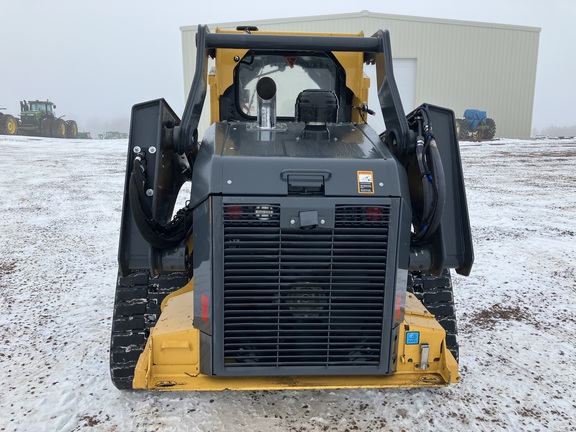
point(293, 73)
point(44, 107)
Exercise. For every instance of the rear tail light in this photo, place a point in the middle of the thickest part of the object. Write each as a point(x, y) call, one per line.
point(233, 212)
point(374, 213)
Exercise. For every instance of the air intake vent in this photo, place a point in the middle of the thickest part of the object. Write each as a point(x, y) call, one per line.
point(303, 298)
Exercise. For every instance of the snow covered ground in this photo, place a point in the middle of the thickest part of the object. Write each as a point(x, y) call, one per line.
point(59, 222)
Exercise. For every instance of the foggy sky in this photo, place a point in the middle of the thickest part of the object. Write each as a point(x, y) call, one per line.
point(96, 58)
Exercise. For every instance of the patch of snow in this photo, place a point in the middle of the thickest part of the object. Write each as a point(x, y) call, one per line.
point(59, 220)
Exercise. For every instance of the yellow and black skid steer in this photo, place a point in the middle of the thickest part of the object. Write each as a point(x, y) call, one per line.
point(312, 251)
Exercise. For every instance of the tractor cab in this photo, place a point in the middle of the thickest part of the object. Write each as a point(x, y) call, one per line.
point(39, 108)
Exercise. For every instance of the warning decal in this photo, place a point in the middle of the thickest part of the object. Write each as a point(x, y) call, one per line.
point(365, 182)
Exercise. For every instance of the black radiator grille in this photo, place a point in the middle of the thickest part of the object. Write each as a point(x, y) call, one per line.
point(297, 297)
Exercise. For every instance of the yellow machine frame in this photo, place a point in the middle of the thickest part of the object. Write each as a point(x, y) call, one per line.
point(171, 358)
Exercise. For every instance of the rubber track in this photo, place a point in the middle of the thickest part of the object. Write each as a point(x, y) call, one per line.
point(435, 292)
point(136, 310)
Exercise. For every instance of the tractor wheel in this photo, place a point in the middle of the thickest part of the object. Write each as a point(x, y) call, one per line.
point(46, 127)
point(435, 293)
point(136, 310)
point(8, 125)
point(71, 129)
point(490, 129)
point(462, 129)
point(58, 129)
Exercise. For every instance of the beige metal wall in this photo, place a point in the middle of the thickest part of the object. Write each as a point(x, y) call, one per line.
point(460, 64)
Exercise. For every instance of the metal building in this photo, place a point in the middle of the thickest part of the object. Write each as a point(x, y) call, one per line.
point(455, 64)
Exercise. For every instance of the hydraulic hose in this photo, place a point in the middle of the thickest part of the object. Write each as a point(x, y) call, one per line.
point(440, 183)
point(156, 234)
point(425, 177)
point(432, 177)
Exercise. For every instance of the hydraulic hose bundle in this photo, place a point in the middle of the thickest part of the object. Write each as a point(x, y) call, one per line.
point(158, 235)
point(432, 178)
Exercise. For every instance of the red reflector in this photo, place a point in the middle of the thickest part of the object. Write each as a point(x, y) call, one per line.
point(205, 308)
point(234, 212)
point(398, 307)
point(373, 213)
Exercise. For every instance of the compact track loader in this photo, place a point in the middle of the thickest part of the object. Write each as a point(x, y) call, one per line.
point(312, 251)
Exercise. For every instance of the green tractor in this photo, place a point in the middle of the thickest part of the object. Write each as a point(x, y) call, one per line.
point(8, 124)
point(37, 118)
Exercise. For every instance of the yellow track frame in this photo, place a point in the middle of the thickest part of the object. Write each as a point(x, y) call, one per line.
point(171, 358)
